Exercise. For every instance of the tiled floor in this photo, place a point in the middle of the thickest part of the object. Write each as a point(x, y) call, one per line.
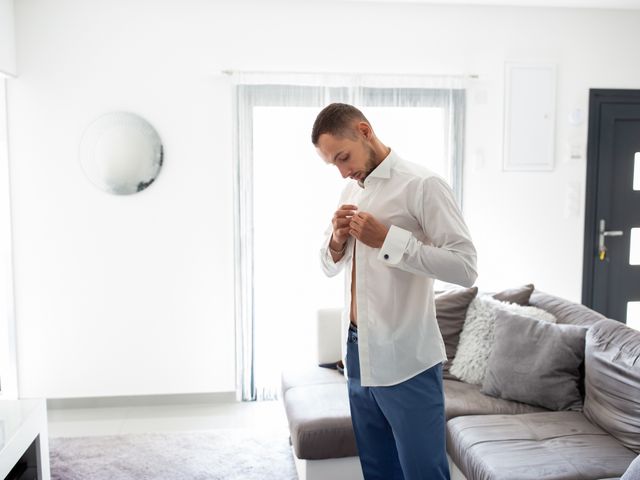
point(166, 418)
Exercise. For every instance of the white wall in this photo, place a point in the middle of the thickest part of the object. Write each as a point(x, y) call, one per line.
point(8, 367)
point(7, 38)
point(8, 372)
point(134, 295)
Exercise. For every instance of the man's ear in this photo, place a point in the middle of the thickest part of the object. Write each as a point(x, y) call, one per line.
point(365, 130)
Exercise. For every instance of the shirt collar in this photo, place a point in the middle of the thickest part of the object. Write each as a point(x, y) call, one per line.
point(383, 170)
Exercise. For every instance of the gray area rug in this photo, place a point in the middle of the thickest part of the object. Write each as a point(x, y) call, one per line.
point(204, 455)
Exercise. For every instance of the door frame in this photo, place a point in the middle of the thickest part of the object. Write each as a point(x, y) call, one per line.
point(597, 98)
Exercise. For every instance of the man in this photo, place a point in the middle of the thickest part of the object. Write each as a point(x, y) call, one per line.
point(397, 229)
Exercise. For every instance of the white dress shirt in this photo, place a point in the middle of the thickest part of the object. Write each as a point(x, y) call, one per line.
point(398, 334)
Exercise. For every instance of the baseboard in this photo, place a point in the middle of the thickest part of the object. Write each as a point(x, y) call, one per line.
point(141, 400)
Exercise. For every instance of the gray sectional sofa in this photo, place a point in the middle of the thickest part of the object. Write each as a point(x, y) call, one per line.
point(491, 438)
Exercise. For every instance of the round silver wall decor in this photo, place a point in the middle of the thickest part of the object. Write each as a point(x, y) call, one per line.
point(121, 153)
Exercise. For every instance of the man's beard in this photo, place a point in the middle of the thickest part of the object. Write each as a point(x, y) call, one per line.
point(370, 166)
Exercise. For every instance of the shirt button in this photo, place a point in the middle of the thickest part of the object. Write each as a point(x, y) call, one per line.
point(386, 257)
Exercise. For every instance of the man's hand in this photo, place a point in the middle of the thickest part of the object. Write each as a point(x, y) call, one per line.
point(368, 230)
point(341, 220)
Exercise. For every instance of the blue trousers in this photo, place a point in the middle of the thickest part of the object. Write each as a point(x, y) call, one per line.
point(400, 429)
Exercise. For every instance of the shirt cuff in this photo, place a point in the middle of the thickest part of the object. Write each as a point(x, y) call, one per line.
point(394, 245)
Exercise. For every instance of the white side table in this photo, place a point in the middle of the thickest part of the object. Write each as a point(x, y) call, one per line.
point(24, 442)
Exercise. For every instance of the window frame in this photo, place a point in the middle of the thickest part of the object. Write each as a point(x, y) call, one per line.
point(245, 98)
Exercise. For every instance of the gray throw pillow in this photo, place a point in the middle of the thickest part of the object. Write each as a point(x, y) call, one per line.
point(519, 295)
point(536, 362)
point(477, 336)
point(451, 309)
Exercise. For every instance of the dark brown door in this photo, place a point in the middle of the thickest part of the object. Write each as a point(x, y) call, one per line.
point(611, 277)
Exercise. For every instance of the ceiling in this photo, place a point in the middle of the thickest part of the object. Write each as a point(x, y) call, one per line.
point(607, 4)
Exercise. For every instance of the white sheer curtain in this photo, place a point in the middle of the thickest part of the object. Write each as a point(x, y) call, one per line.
point(285, 196)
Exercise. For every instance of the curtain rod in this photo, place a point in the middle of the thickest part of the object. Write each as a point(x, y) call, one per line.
point(256, 72)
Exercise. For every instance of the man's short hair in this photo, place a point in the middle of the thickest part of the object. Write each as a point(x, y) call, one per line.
point(337, 119)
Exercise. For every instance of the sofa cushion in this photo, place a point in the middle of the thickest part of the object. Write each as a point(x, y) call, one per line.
point(548, 445)
point(536, 362)
point(466, 399)
point(564, 310)
point(476, 339)
point(320, 421)
point(451, 308)
point(309, 376)
point(612, 380)
point(518, 295)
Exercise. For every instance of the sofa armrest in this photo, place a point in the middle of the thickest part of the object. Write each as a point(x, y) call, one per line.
point(328, 334)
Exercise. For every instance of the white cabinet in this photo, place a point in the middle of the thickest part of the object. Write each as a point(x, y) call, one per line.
point(24, 442)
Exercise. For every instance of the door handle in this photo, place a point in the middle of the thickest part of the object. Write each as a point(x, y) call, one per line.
point(602, 248)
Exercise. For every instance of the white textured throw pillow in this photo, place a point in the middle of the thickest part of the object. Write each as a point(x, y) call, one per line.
point(476, 338)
